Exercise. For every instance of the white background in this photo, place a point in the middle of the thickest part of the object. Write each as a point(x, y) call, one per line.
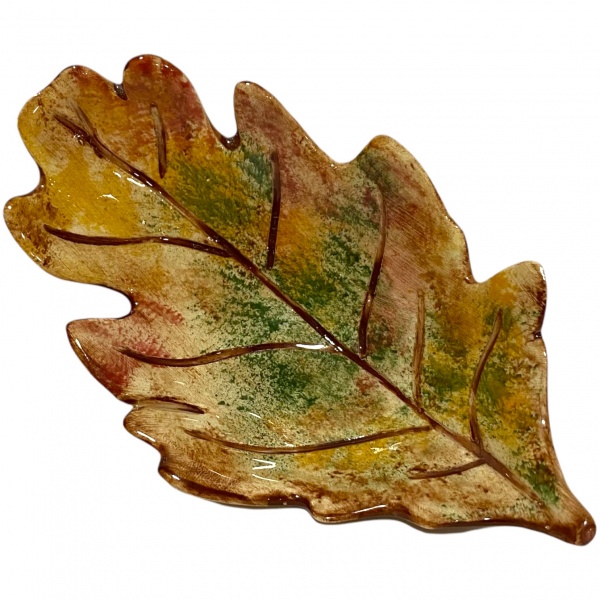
point(497, 100)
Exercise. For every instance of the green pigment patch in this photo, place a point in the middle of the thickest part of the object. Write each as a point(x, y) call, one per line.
point(541, 479)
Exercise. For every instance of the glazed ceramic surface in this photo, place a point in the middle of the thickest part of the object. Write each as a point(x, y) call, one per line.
point(302, 332)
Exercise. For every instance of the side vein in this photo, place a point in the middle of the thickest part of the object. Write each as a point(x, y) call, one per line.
point(473, 422)
point(161, 140)
point(419, 348)
point(99, 240)
point(309, 447)
point(446, 472)
point(218, 355)
point(275, 208)
point(372, 287)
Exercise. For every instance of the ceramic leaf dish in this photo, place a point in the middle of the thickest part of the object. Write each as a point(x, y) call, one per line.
point(302, 332)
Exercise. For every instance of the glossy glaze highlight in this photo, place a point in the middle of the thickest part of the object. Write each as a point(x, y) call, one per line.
point(302, 332)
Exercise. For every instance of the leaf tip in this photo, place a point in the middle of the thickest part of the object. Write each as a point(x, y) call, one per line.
point(586, 532)
point(579, 531)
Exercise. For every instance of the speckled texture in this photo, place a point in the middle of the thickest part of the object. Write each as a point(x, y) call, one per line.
point(302, 332)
